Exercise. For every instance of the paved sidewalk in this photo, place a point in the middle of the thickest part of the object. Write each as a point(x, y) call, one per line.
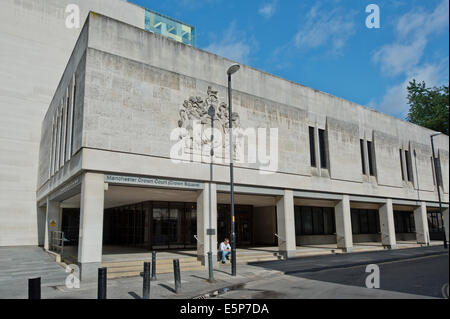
point(193, 284)
point(13, 283)
point(17, 264)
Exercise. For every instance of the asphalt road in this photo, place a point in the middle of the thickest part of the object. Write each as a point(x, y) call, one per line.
point(420, 277)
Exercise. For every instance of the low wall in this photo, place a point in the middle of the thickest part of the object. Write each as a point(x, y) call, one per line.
point(366, 238)
point(405, 236)
point(315, 240)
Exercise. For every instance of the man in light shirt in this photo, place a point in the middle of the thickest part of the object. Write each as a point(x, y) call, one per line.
point(225, 249)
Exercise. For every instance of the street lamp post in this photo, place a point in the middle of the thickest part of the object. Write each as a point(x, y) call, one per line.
point(211, 113)
point(438, 188)
point(233, 69)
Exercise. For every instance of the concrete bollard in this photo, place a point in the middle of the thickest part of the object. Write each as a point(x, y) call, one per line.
point(101, 292)
point(153, 265)
point(34, 288)
point(176, 274)
point(146, 281)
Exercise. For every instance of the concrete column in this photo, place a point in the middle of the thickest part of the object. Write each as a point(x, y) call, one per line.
point(287, 245)
point(204, 223)
point(445, 213)
point(387, 225)
point(91, 225)
point(52, 221)
point(344, 236)
point(421, 224)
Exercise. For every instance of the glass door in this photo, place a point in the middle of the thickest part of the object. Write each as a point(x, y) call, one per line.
point(243, 226)
point(190, 224)
point(175, 225)
point(160, 226)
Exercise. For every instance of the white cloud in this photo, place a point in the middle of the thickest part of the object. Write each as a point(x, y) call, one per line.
point(404, 57)
point(397, 58)
point(233, 44)
point(395, 100)
point(325, 27)
point(268, 9)
point(419, 23)
point(413, 30)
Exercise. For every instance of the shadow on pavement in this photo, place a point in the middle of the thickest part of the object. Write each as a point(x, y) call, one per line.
point(422, 272)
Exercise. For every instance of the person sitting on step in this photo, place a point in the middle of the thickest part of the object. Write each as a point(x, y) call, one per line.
point(225, 249)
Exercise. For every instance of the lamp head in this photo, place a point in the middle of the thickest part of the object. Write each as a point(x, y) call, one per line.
point(436, 134)
point(233, 69)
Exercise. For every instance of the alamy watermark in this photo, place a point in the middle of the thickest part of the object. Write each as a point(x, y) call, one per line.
point(73, 16)
point(257, 146)
point(373, 279)
point(373, 19)
point(73, 279)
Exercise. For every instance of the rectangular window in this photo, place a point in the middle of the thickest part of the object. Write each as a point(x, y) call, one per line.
point(312, 147)
point(307, 220)
point(328, 221)
point(66, 137)
point(52, 161)
point(73, 115)
point(404, 222)
point(61, 137)
point(322, 148)
point(363, 158)
point(401, 164)
point(433, 171)
point(370, 157)
point(437, 167)
point(318, 221)
point(314, 221)
point(298, 220)
point(365, 221)
point(408, 166)
point(63, 133)
point(58, 139)
point(355, 222)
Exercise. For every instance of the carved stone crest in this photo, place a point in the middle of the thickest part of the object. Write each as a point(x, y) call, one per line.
point(194, 111)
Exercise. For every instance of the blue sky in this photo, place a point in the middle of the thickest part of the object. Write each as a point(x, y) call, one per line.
point(325, 44)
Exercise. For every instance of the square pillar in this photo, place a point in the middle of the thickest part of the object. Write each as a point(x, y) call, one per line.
point(387, 225)
point(445, 216)
point(421, 224)
point(91, 225)
point(52, 222)
point(344, 235)
point(287, 246)
point(207, 219)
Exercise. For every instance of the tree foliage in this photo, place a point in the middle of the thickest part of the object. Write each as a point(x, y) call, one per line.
point(428, 106)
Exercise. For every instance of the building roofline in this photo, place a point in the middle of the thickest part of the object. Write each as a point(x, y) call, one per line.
point(271, 75)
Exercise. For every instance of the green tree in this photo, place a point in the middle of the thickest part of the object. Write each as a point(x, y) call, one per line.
point(428, 106)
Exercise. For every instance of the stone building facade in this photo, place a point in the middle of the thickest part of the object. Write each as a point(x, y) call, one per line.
point(344, 173)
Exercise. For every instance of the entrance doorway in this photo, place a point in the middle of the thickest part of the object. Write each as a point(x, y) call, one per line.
point(243, 225)
point(151, 225)
point(70, 225)
point(435, 225)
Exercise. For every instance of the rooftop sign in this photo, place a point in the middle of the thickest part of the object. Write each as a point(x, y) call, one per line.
point(168, 27)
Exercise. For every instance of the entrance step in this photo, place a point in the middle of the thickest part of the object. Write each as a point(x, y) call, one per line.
point(244, 259)
point(133, 268)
